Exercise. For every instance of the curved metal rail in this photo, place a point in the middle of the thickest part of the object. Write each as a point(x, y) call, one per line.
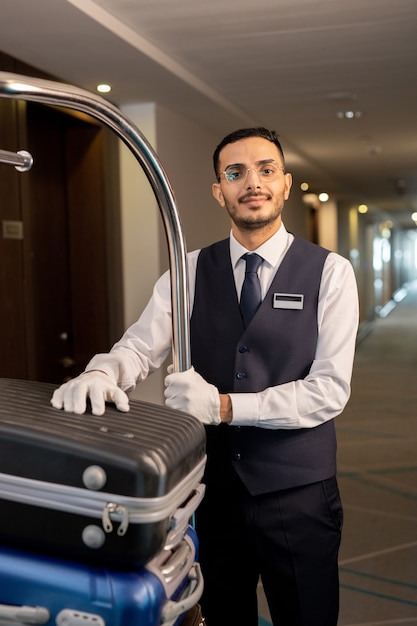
point(51, 92)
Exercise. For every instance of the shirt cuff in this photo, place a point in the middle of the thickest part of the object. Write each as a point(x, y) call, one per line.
point(245, 409)
point(107, 365)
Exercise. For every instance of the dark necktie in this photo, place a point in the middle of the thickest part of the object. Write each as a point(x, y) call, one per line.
point(251, 296)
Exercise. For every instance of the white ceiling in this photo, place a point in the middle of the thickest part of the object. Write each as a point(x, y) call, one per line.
point(290, 65)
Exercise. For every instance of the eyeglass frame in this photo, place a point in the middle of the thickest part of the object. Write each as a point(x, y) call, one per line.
point(247, 170)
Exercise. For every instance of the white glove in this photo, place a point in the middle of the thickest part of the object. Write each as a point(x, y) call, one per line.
point(189, 392)
point(100, 388)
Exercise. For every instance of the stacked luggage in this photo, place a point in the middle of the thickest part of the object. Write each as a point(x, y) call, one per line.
point(95, 512)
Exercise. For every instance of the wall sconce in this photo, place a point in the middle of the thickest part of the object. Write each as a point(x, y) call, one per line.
point(312, 200)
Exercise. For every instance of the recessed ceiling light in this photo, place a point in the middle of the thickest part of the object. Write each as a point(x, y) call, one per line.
point(103, 88)
point(349, 115)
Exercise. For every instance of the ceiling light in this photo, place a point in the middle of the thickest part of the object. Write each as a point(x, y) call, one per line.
point(323, 197)
point(362, 208)
point(414, 216)
point(103, 88)
point(304, 187)
point(349, 115)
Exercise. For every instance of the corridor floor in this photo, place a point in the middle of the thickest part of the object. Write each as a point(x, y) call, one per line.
point(377, 473)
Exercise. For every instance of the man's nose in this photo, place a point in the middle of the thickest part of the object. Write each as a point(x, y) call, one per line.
point(252, 178)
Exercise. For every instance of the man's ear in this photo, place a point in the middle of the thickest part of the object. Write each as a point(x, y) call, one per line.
point(288, 184)
point(217, 193)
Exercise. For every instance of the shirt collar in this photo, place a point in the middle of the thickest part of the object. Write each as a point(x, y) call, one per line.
point(271, 251)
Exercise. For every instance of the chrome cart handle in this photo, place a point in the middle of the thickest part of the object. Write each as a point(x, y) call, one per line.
point(22, 160)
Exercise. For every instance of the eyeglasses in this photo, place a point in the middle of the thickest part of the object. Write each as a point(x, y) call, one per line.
point(237, 174)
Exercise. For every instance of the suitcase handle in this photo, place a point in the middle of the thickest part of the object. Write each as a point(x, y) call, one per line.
point(180, 520)
point(190, 597)
point(10, 614)
point(51, 92)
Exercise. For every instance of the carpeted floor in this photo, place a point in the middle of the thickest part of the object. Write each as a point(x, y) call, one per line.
point(377, 461)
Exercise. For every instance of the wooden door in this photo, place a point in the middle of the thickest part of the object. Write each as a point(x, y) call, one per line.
point(54, 314)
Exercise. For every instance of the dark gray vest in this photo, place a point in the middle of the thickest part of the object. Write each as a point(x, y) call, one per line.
point(278, 346)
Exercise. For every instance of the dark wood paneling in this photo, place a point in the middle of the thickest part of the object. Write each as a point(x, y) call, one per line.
point(87, 237)
point(13, 351)
point(46, 245)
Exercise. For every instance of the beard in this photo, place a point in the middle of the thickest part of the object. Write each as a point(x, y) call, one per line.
point(256, 219)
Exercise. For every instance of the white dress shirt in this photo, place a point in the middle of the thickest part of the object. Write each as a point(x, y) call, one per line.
point(303, 403)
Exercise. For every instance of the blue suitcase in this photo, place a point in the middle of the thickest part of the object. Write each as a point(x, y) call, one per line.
point(37, 589)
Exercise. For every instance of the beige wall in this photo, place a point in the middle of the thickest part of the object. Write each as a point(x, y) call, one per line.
point(139, 219)
point(186, 151)
point(328, 225)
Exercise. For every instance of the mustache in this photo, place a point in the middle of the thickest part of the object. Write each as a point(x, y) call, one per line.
point(254, 194)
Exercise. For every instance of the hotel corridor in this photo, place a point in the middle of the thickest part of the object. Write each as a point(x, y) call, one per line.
point(377, 470)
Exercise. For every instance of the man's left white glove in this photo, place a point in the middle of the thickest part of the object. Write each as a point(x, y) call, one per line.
point(189, 392)
point(100, 388)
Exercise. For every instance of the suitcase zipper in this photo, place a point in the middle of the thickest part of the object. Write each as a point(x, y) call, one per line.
point(114, 508)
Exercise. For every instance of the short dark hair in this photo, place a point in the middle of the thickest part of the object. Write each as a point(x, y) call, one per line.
point(245, 133)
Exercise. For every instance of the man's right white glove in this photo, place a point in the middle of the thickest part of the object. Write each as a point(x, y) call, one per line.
point(188, 391)
point(100, 388)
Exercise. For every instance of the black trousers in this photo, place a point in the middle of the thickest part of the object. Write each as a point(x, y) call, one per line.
point(288, 539)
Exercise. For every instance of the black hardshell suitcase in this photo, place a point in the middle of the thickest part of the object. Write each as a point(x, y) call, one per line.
point(113, 489)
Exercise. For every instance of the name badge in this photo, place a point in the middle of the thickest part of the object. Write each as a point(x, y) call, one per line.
point(288, 301)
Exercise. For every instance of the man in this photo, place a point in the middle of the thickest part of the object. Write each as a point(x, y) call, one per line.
point(267, 389)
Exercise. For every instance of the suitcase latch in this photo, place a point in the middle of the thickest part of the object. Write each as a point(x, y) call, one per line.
point(112, 508)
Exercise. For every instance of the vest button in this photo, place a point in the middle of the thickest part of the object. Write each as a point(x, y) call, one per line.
point(236, 456)
point(240, 375)
point(243, 349)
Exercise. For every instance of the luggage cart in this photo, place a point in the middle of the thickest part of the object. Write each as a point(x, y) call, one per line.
point(171, 603)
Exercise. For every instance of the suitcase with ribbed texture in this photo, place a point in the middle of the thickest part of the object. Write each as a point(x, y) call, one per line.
point(113, 489)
